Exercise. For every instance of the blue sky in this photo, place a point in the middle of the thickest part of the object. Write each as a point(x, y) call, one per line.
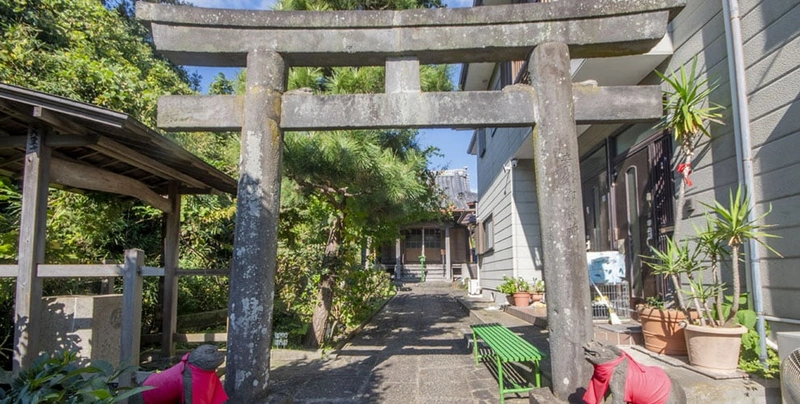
point(452, 144)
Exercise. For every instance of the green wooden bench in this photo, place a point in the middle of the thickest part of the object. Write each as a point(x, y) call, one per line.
point(506, 347)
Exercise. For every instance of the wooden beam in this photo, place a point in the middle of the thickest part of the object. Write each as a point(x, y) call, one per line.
point(72, 140)
point(85, 177)
point(169, 314)
point(204, 272)
point(136, 159)
point(33, 224)
point(152, 271)
point(8, 271)
point(12, 142)
point(130, 332)
point(75, 134)
point(198, 338)
point(80, 271)
point(468, 109)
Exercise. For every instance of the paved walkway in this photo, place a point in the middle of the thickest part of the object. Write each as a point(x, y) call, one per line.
point(413, 351)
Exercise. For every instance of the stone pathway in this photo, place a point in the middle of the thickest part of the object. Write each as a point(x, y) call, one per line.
point(413, 351)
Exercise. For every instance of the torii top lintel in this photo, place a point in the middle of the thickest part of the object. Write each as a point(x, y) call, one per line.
point(217, 37)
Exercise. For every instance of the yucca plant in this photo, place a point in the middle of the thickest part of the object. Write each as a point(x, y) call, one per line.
point(687, 113)
point(676, 260)
point(732, 225)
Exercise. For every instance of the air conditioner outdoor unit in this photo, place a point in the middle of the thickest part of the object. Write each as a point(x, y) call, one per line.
point(474, 287)
point(789, 352)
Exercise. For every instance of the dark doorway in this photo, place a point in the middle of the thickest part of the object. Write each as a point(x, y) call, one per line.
point(642, 187)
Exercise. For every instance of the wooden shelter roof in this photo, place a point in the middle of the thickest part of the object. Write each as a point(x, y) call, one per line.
point(96, 140)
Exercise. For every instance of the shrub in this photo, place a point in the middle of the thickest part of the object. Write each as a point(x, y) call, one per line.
point(61, 379)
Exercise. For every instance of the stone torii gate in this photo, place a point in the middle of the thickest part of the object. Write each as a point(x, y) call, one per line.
point(268, 43)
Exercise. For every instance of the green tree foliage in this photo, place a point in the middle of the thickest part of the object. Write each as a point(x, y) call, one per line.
point(82, 50)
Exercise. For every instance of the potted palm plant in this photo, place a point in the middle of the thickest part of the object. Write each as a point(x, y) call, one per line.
point(517, 290)
point(662, 321)
point(714, 340)
point(686, 115)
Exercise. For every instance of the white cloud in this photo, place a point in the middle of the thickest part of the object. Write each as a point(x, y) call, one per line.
point(236, 4)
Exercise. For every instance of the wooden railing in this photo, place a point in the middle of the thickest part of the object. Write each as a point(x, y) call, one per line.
point(132, 271)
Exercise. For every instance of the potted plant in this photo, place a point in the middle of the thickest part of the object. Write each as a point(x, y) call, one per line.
point(517, 289)
point(662, 320)
point(686, 114)
point(714, 339)
point(537, 290)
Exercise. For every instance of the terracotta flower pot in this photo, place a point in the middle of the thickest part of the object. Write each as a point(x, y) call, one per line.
point(714, 348)
point(522, 299)
point(537, 297)
point(662, 331)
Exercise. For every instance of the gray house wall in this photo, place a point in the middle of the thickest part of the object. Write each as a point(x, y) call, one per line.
point(771, 42)
point(509, 196)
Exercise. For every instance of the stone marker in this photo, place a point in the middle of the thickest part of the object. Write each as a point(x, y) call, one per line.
point(90, 324)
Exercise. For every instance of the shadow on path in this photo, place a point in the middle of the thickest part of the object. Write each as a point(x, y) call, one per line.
point(413, 351)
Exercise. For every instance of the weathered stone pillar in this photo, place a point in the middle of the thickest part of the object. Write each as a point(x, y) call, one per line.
point(555, 150)
point(252, 281)
point(33, 223)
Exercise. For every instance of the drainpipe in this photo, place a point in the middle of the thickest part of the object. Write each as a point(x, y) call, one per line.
point(741, 128)
point(510, 179)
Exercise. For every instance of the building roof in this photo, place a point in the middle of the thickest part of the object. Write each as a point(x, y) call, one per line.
point(100, 141)
point(455, 185)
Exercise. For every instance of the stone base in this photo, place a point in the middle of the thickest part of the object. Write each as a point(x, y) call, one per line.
point(626, 334)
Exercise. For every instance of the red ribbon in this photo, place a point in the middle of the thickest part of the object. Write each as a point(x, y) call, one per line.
point(685, 169)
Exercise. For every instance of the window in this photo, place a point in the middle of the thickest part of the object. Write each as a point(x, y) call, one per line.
point(488, 234)
point(433, 238)
point(414, 238)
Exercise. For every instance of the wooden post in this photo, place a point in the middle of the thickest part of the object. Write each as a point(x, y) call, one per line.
point(107, 284)
point(255, 249)
point(130, 333)
point(33, 224)
point(398, 260)
point(448, 267)
point(558, 189)
point(169, 317)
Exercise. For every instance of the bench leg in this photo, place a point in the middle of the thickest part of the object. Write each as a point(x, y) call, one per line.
point(500, 379)
point(537, 373)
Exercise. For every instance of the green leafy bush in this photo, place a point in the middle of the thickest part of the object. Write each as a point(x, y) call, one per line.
point(513, 285)
point(61, 379)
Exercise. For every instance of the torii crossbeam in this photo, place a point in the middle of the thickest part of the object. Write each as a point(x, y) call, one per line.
point(267, 43)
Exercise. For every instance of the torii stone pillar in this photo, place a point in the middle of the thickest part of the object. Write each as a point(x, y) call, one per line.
point(558, 185)
point(254, 264)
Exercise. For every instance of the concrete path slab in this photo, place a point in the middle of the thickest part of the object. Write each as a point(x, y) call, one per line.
point(413, 351)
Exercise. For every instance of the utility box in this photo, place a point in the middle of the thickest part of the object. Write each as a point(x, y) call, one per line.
point(788, 342)
point(474, 287)
point(89, 324)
